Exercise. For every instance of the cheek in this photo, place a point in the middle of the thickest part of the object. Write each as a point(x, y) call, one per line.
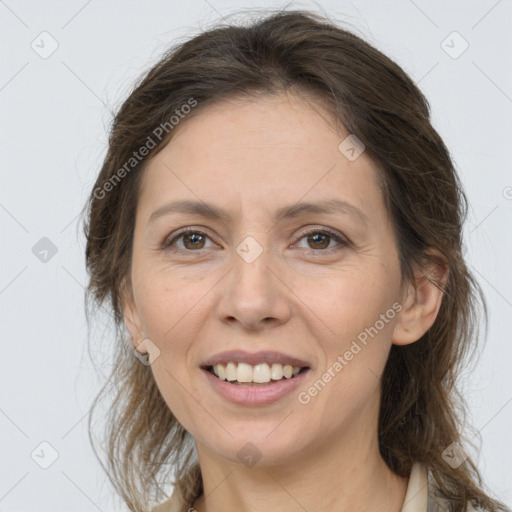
point(359, 309)
point(354, 362)
point(169, 318)
point(350, 302)
point(165, 302)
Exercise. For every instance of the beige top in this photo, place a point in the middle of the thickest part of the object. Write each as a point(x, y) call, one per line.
point(419, 496)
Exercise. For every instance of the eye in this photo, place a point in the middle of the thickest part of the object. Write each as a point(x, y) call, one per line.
point(320, 239)
point(192, 240)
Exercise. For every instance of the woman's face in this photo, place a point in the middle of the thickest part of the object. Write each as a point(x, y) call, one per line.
point(254, 280)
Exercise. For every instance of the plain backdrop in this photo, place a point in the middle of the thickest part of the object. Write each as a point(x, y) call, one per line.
point(66, 65)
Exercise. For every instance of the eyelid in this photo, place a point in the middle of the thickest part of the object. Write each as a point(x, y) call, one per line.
point(173, 237)
point(342, 240)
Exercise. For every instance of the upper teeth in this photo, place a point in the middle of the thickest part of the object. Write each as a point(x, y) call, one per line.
point(260, 373)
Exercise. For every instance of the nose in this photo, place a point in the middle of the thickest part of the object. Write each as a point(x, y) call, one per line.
point(254, 295)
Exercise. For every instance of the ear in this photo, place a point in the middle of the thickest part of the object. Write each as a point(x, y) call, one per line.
point(131, 315)
point(421, 300)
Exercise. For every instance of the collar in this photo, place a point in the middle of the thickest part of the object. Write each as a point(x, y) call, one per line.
point(416, 496)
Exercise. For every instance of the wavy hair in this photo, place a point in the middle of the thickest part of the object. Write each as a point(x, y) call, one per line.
point(422, 412)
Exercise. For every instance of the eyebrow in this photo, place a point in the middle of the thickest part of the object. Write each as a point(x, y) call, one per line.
point(329, 206)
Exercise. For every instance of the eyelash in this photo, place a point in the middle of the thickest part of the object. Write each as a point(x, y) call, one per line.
point(167, 245)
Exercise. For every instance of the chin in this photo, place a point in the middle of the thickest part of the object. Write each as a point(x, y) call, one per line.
point(256, 447)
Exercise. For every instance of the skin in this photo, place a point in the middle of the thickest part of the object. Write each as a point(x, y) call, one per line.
point(251, 157)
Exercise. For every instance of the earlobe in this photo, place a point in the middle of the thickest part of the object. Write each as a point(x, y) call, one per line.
point(422, 301)
point(131, 316)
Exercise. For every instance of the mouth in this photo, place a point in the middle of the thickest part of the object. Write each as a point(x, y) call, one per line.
point(254, 380)
point(261, 374)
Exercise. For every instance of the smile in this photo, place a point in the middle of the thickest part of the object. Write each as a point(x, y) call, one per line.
point(246, 374)
point(254, 379)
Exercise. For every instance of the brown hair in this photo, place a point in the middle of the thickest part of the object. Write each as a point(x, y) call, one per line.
point(421, 410)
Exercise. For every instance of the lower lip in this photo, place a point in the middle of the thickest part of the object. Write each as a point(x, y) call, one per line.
point(255, 395)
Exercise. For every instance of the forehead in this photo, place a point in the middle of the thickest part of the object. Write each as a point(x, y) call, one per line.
point(265, 124)
point(260, 152)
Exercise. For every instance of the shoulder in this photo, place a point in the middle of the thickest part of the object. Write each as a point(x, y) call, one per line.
point(174, 504)
point(163, 507)
point(436, 503)
point(479, 509)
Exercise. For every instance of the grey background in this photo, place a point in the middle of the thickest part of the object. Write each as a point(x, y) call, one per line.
point(54, 116)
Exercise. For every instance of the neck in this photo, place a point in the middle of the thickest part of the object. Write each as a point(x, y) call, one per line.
point(341, 474)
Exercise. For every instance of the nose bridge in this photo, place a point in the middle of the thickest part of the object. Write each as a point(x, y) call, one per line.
point(253, 293)
point(251, 273)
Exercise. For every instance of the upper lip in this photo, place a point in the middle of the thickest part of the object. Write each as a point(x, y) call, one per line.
point(268, 356)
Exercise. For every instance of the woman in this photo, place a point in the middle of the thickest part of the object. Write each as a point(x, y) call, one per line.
point(279, 228)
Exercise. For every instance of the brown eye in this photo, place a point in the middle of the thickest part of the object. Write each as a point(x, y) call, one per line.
point(192, 240)
point(319, 240)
